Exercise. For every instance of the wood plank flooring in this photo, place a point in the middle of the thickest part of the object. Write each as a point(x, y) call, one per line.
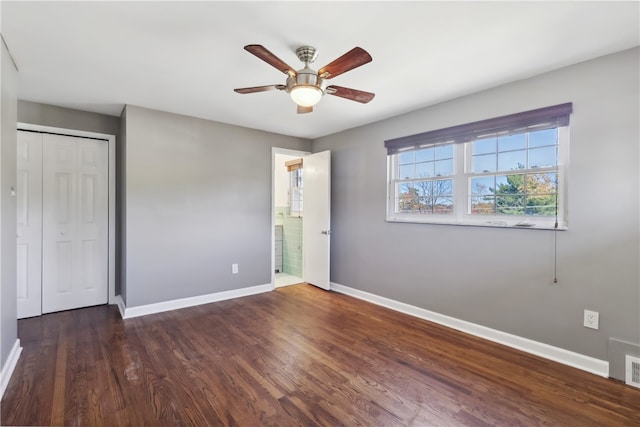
point(295, 356)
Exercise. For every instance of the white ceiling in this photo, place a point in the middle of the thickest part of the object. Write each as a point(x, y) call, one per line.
point(187, 57)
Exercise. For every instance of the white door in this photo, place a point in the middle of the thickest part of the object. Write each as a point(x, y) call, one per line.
point(29, 230)
point(316, 223)
point(75, 222)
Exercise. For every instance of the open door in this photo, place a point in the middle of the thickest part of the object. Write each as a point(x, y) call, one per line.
point(316, 227)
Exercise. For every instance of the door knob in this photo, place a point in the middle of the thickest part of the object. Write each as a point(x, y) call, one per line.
point(327, 232)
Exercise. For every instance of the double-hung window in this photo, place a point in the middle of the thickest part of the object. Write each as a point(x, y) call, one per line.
point(506, 171)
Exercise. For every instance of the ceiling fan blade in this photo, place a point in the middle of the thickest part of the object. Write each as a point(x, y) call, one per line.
point(259, 88)
point(268, 57)
point(352, 94)
point(350, 60)
point(304, 110)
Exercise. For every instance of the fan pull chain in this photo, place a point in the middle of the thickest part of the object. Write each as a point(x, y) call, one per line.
point(555, 238)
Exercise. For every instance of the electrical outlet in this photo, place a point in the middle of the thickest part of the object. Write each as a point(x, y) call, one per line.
point(234, 268)
point(591, 319)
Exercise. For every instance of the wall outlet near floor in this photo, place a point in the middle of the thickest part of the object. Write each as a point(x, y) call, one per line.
point(591, 319)
point(234, 268)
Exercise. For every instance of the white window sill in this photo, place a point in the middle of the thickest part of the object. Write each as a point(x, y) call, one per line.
point(528, 224)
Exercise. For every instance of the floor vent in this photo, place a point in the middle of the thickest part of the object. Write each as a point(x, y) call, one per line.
point(632, 376)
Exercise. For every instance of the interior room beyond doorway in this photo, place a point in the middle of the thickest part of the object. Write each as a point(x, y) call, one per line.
point(288, 218)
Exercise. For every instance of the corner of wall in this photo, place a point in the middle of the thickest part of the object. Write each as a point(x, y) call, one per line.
point(121, 209)
point(8, 162)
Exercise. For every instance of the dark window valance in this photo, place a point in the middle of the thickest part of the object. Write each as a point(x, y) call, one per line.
point(542, 118)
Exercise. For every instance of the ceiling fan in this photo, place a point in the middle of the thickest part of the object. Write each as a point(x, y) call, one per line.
point(307, 86)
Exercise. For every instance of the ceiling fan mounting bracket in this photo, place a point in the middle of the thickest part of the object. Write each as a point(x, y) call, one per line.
point(307, 54)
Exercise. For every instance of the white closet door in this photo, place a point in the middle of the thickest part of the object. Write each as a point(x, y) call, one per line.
point(75, 223)
point(29, 227)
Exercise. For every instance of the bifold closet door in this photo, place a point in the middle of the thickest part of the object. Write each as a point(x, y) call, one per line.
point(29, 224)
point(75, 222)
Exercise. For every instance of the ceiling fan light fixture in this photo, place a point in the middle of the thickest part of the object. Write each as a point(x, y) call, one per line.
point(306, 95)
point(307, 86)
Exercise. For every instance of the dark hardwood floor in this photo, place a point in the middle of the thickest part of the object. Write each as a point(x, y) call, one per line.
point(296, 356)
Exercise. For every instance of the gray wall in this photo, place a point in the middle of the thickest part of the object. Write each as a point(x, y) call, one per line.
point(198, 199)
point(67, 118)
point(502, 278)
point(8, 136)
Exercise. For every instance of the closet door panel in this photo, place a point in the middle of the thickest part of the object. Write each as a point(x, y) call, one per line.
point(29, 224)
point(75, 222)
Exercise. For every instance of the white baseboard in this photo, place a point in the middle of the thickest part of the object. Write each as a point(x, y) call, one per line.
point(9, 366)
point(143, 310)
point(557, 354)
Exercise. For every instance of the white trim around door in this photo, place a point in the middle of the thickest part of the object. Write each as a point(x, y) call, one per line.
point(111, 140)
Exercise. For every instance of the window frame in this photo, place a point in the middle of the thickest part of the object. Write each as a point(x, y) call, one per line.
point(461, 188)
point(295, 193)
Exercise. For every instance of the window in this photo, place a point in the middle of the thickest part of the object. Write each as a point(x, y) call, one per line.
point(295, 192)
point(294, 168)
point(507, 171)
point(424, 182)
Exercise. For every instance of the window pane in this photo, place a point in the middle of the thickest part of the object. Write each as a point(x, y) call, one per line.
point(444, 167)
point(485, 163)
point(541, 194)
point(512, 160)
point(483, 185)
point(442, 187)
point(414, 205)
point(542, 183)
point(407, 196)
point(510, 184)
point(424, 154)
point(510, 205)
point(404, 189)
point(541, 205)
point(442, 205)
point(543, 137)
point(422, 205)
point(406, 171)
point(444, 152)
point(512, 142)
point(482, 205)
point(423, 188)
point(404, 205)
point(543, 157)
point(484, 146)
point(424, 170)
point(407, 157)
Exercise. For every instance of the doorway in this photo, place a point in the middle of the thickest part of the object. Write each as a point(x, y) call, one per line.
point(66, 217)
point(308, 211)
point(288, 217)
